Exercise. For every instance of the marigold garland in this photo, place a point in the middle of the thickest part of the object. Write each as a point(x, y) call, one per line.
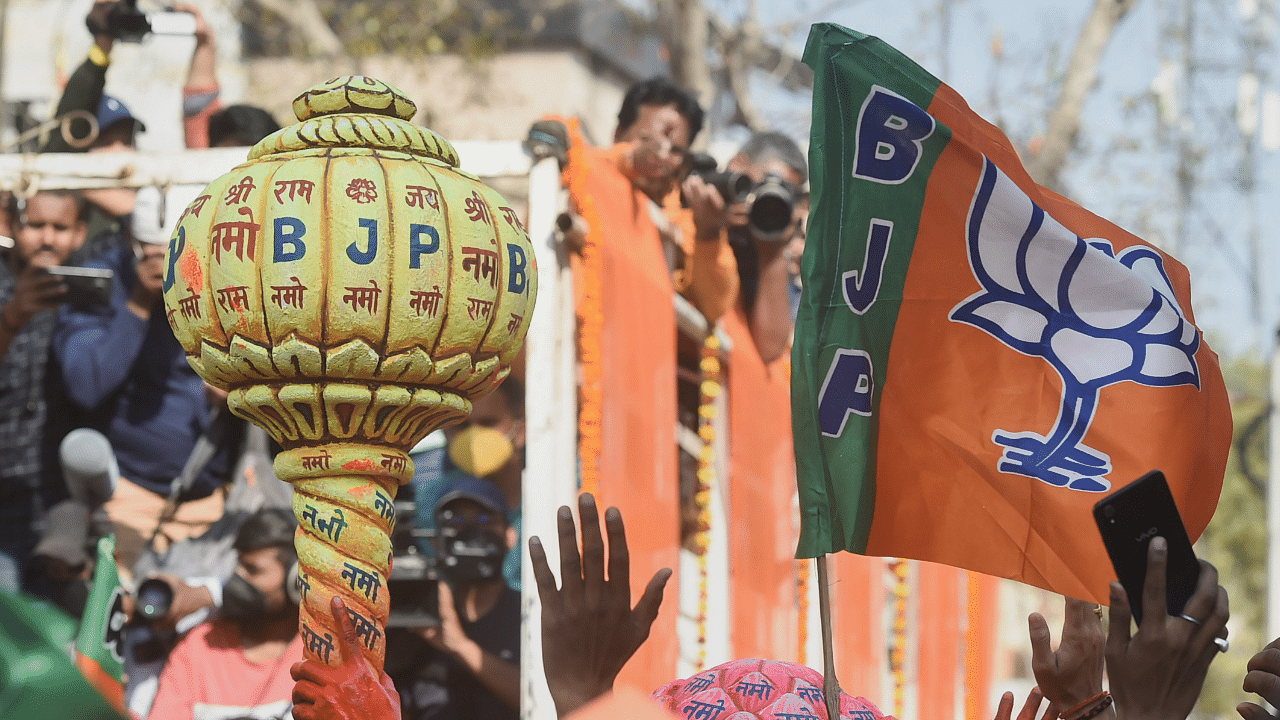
point(898, 653)
point(802, 602)
point(709, 391)
point(590, 278)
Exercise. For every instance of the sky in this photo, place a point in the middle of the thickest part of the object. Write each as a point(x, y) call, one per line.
point(1124, 166)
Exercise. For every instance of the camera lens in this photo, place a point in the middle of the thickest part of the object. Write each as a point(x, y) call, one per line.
point(771, 209)
point(155, 597)
point(1109, 511)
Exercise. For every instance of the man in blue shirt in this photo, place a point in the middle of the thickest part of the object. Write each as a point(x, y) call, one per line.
point(124, 373)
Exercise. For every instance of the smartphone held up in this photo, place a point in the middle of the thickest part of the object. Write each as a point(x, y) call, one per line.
point(1128, 520)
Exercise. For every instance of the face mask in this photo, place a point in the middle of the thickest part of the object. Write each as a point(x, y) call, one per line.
point(480, 451)
point(242, 601)
point(472, 556)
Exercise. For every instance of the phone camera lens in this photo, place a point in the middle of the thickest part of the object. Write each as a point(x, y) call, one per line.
point(1109, 511)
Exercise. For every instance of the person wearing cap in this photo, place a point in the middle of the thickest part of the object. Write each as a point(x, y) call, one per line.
point(467, 666)
point(488, 444)
point(117, 126)
point(47, 230)
point(122, 372)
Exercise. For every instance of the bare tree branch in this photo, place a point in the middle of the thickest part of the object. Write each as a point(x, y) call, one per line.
point(738, 48)
point(683, 25)
point(784, 67)
point(1047, 165)
point(305, 18)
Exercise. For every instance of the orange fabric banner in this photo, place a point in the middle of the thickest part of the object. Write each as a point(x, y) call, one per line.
point(980, 644)
point(762, 488)
point(858, 589)
point(938, 639)
point(634, 344)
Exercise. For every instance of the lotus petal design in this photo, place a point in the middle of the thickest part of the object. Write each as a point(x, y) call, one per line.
point(1096, 316)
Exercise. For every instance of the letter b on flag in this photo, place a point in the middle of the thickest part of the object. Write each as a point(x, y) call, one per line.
point(890, 129)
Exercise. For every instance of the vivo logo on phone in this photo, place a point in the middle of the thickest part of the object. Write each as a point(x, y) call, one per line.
point(1147, 535)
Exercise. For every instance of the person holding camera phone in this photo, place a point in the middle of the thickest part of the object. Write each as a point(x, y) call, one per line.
point(467, 665)
point(122, 372)
point(47, 229)
point(112, 21)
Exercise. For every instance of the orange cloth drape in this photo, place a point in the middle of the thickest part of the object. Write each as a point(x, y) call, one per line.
point(627, 333)
point(858, 589)
point(980, 644)
point(938, 656)
point(762, 488)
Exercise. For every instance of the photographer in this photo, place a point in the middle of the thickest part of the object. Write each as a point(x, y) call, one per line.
point(46, 230)
point(467, 666)
point(117, 127)
point(239, 662)
point(766, 235)
point(111, 21)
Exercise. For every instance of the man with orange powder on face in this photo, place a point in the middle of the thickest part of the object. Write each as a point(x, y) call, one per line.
point(656, 125)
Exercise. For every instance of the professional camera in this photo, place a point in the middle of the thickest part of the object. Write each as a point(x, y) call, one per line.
point(733, 186)
point(126, 23)
point(415, 599)
point(771, 203)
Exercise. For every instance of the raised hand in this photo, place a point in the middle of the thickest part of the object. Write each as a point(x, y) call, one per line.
point(1072, 674)
point(1158, 672)
point(1004, 710)
point(347, 692)
point(35, 290)
point(589, 629)
point(1264, 679)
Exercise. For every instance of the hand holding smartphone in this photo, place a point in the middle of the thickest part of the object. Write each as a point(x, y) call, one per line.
point(85, 286)
point(1128, 519)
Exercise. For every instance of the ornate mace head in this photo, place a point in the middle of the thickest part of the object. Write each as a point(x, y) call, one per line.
point(350, 282)
point(353, 290)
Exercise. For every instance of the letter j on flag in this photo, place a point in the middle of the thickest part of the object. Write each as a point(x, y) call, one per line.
point(977, 359)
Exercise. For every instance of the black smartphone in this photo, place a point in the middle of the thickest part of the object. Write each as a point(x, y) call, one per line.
point(1128, 519)
point(85, 286)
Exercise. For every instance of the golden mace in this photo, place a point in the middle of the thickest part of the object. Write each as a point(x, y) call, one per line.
point(353, 290)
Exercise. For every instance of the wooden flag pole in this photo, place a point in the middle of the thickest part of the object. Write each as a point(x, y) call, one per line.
point(830, 685)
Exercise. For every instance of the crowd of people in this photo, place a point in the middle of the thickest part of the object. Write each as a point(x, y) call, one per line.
point(106, 429)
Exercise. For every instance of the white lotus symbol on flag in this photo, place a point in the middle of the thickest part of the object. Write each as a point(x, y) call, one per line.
point(1097, 317)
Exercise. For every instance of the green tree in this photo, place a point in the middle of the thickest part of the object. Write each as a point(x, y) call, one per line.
point(1236, 539)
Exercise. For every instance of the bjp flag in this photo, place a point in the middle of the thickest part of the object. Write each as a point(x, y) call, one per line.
point(100, 643)
point(977, 359)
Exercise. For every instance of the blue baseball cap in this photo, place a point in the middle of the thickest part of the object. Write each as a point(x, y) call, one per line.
point(479, 490)
point(112, 111)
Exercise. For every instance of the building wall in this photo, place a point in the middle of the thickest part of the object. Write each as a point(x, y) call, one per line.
point(496, 98)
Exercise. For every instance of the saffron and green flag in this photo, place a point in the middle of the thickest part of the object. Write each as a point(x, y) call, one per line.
point(100, 642)
point(977, 359)
point(37, 678)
